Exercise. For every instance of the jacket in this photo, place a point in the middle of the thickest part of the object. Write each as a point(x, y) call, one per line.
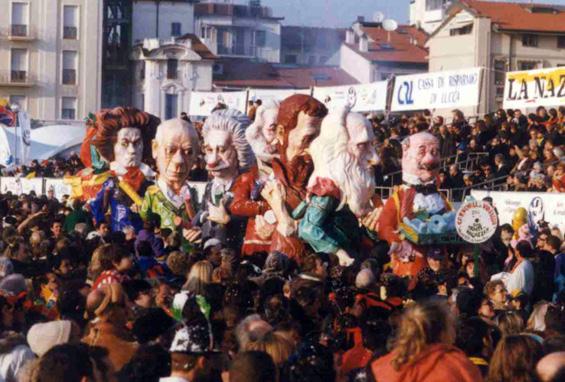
point(121, 347)
point(438, 362)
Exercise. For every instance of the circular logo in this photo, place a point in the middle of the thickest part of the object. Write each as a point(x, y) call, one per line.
point(476, 222)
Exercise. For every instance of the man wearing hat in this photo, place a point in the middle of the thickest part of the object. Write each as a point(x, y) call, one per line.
point(190, 350)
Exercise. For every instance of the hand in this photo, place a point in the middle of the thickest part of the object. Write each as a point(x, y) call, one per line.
point(193, 235)
point(371, 220)
point(134, 208)
point(218, 214)
point(263, 229)
point(286, 225)
point(344, 259)
point(177, 221)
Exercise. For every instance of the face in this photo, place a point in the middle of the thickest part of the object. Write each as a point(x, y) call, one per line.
point(175, 155)
point(125, 264)
point(56, 229)
point(307, 128)
point(434, 264)
point(104, 229)
point(66, 267)
point(486, 310)
point(421, 158)
point(220, 154)
point(128, 149)
point(506, 238)
point(499, 294)
point(269, 128)
point(145, 299)
point(361, 145)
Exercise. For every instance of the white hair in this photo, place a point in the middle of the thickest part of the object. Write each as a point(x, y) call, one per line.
point(254, 133)
point(234, 122)
point(333, 160)
point(176, 123)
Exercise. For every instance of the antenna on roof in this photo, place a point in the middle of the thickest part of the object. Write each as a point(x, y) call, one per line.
point(378, 17)
point(390, 25)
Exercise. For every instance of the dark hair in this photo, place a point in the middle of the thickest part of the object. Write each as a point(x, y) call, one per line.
point(524, 248)
point(147, 365)
point(555, 319)
point(135, 287)
point(554, 242)
point(470, 336)
point(515, 359)
point(469, 302)
point(67, 362)
point(507, 228)
point(253, 366)
point(309, 263)
point(71, 305)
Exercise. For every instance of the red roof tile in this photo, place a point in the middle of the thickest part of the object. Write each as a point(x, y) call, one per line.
point(406, 45)
point(240, 73)
point(521, 17)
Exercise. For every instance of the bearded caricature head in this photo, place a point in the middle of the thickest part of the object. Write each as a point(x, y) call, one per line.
point(345, 153)
point(261, 135)
point(226, 150)
point(420, 159)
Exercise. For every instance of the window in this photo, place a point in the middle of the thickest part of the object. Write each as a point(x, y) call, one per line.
point(290, 59)
point(19, 25)
point(171, 106)
point(68, 108)
point(176, 29)
point(19, 100)
point(311, 60)
point(527, 65)
point(467, 29)
point(322, 60)
point(19, 65)
point(69, 67)
point(172, 68)
point(70, 22)
point(530, 40)
point(260, 38)
point(500, 70)
point(142, 70)
point(432, 5)
point(561, 42)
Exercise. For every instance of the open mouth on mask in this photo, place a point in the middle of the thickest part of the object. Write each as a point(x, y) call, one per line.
point(428, 166)
point(221, 166)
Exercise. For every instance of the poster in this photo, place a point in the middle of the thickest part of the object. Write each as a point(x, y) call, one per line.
point(59, 187)
point(202, 103)
point(34, 184)
point(266, 95)
point(533, 88)
point(547, 206)
point(437, 90)
point(361, 98)
point(11, 184)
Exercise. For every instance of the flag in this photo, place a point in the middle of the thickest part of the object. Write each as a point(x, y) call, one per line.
point(23, 133)
point(7, 116)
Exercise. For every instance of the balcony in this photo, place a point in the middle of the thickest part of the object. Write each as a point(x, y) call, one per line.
point(19, 32)
point(16, 78)
point(70, 33)
point(236, 50)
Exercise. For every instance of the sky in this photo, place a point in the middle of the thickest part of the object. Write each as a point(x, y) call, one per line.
point(342, 13)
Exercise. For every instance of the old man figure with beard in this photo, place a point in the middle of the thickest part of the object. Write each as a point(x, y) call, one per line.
point(227, 154)
point(341, 187)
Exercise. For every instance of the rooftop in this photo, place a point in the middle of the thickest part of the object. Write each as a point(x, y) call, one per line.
point(518, 16)
point(241, 73)
point(190, 40)
point(404, 45)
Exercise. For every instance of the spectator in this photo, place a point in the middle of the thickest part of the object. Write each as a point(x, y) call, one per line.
point(252, 366)
point(515, 359)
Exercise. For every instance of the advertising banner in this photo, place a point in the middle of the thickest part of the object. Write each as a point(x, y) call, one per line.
point(361, 98)
point(34, 184)
point(278, 95)
point(59, 187)
point(546, 206)
point(202, 103)
point(11, 184)
point(533, 88)
point(437, 90)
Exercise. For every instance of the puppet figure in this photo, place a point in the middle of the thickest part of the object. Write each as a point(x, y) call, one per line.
point(120, 143)
point(417, 198)
point(227, 154)
point(341, 187)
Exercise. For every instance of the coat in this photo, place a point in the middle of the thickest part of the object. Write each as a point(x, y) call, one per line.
point(121, 347)
point(438, 362)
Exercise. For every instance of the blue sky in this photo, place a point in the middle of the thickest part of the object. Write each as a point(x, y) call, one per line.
point(341, 13)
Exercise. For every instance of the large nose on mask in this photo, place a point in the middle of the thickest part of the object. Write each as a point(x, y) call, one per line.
point(429, 159)
point(212, 160)
point(373, 158)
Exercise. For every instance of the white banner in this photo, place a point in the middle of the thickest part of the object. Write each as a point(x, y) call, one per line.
point(34, 184)
point(361, 98)
point(202, 103)
point(59, 187)
point(266, 95)
point(11, 184)
point(546, 206)
point(438, 90)
point(533, 88)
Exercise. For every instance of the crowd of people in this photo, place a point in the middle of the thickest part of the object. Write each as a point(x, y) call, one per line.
point(81, 300)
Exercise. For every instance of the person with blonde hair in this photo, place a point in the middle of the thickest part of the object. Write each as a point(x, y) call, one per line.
point(423, 350)
point(275, 344)
point(515, 359)
point(510, 322)
point(198, 277)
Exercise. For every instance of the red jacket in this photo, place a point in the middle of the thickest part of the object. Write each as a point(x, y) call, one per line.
point(242, 205)
point(438, 362)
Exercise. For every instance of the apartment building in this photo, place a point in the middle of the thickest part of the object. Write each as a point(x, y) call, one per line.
point(50, 57)
point(428, 14)
point(501, 37)
point(311, 46)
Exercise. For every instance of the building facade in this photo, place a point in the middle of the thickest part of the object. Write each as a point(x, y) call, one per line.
point(428, 14)
point(162, 19)
point(167, 71)
point(499, 37)
point(311, 46)
point(371, 54)
point(50, 57)
point(241, 31)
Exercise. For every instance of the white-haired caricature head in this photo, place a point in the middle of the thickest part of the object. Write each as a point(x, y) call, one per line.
point(420, 158)
point(226, 150)
point(345, 153)
point(261, 135)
